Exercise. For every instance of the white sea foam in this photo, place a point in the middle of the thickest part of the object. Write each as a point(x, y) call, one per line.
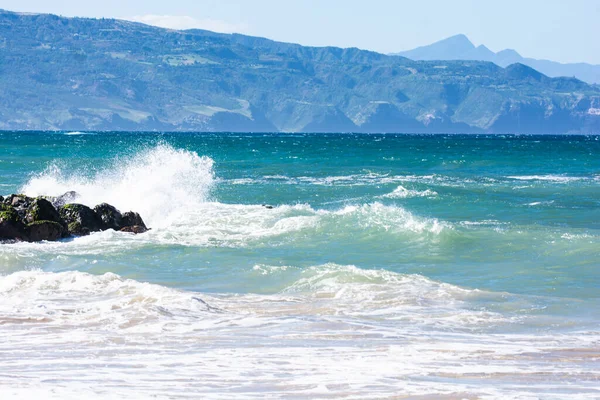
point(348, 290)
point(213, 223)
point(540, 203)
point(403, 193)
point(78, 133)
point(171, 189)
point(336, 331)
point(160, 183)
point(548, 178)
point(69, 299)
point(74, 298)
point(365, 179)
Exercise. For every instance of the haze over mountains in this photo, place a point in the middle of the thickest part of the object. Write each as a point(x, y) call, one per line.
point(459, 47)
point(102, 74)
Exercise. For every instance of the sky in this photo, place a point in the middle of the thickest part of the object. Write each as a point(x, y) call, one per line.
point(558, 30)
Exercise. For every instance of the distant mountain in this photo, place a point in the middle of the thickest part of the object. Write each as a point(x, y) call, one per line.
point(459, 47)
point(103, 74)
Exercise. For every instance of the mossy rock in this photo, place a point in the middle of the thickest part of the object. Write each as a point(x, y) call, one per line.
point(17, 199)
point(8, 213)
point(80, 219)
point(11, 227)
point(110, 216)
point(41, 209)
point(45, 230)
point(75, 228)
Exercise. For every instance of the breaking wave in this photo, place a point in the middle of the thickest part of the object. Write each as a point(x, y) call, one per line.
point(108, 301)
point(403, 193)
point(157, 182)
point(171, 189)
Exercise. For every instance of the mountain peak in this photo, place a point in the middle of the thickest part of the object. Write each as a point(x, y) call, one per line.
point(459, 47)
point(458, 40)
point(508, 52)
point(445, 49)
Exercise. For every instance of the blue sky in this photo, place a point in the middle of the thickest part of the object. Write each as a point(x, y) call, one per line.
point(560, 30)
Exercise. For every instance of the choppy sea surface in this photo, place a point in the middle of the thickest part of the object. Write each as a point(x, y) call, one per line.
point(389, 266)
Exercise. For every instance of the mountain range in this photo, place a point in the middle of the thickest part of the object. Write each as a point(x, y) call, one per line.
point(61, 73)
point(459, 47)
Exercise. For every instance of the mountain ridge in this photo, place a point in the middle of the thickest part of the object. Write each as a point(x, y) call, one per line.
point(446, 49)
point(61, 73)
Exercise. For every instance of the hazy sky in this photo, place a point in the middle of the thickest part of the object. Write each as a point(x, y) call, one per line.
point(560, 30)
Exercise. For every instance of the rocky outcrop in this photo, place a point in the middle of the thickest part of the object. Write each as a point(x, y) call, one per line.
point(109, 215)
point(80, 220)
point(24, 218)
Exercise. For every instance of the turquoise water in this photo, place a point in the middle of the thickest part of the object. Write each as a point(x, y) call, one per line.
point(458, 266)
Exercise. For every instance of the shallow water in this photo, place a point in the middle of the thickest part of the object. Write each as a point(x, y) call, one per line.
point(389, 265)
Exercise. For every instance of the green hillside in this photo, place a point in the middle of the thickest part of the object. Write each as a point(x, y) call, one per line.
point(103, 74)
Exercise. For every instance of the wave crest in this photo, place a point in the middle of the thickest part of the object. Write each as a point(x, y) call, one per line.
point(403, 193)
point(348, 290)
point(155, 182)
point(65, 298)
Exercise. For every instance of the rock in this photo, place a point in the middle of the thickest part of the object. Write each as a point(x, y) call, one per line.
point(110, 216)
point(11, 226)
point(18, 200)
point(134, 229)
point(80, 219)
point(132, 222)
point(20, 203)
point(45, 230)
point(24, 218)
point(131, 218)
point(41, 209)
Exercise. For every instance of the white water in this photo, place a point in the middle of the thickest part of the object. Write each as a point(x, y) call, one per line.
point(403, 193)
point(160, 183)
point(327, 331)
point(338, 331)
point(549, 178)
point(171, 189)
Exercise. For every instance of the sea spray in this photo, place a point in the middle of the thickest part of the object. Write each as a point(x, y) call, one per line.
point(161, 183)
point(171, 188)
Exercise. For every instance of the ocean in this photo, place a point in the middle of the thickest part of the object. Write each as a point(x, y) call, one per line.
point(307, 266)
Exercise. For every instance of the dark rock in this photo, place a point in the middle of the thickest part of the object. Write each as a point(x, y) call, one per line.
point(20, 203)
point(11, 226)
point(131, 218)
point(41, 209)
point(18, 200)
point(24, 218)
point(80, 219)
point(132, 222)
point(134, 229)
point(110, 216)
point(45, 230)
